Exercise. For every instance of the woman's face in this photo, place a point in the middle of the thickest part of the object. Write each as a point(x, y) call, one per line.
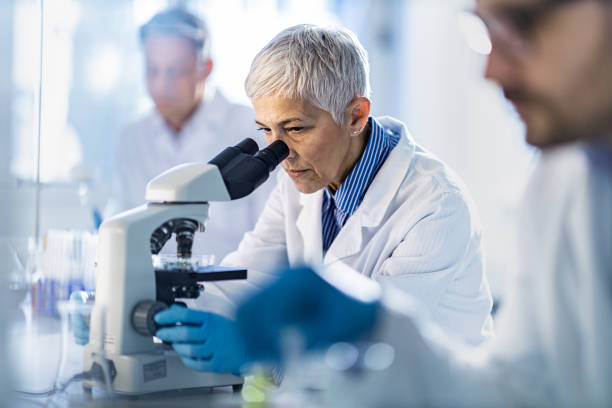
point(321, 153)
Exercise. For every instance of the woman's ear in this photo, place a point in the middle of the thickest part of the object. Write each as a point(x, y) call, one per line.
point(358, 113)
point(206, 68)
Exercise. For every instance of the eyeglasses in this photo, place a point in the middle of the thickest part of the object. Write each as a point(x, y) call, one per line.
point(512, 26)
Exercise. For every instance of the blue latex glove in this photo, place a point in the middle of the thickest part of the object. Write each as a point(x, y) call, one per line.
point(322, 311)
point(80, 323)
point(204, 341)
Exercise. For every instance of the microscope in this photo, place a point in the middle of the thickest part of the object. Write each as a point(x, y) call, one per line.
point(130, 290)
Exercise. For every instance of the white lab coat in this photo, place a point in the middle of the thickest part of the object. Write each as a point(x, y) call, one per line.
point(554, 335)
point(148, 147)
point(414, 230)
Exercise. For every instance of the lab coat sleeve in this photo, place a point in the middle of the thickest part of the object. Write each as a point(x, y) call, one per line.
point(439, 262)
point(263, 252)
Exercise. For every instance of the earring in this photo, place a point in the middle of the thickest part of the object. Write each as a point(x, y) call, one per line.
point(356, 132)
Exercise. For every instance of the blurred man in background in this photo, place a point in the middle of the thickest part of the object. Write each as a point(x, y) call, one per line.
point(191, 122)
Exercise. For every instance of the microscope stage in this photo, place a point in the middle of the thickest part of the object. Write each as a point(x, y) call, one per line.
point(202, 273)
point(176, 283)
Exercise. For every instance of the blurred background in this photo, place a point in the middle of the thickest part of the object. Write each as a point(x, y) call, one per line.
point(72, 76)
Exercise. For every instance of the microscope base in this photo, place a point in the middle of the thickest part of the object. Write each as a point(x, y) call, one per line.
point(136, 374)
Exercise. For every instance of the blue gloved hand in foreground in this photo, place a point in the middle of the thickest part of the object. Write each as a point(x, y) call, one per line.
point(342, 306)
point(204, 341)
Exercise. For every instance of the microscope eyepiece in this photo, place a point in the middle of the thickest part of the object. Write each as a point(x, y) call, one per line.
point(248, 146)
point(230, 154)
point(273, 154)
point(243, 168)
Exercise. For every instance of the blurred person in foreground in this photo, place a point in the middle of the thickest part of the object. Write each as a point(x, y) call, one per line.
point(553, 60)
point(190, 122)
point(354, 190)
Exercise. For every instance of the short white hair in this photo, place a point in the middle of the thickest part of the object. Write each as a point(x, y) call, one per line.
point(326, 66)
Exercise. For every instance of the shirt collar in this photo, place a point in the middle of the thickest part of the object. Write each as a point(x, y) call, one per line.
point(351, 191)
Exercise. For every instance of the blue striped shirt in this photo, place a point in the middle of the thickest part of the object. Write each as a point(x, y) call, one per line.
point(338, 207)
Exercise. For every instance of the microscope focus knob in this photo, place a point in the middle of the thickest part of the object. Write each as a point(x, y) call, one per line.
point(143, 314)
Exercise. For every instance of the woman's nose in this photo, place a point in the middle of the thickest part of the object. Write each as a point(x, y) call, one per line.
point(292, 155)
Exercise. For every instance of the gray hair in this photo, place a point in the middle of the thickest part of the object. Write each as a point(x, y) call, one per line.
point(327, 67)
point(180, 23)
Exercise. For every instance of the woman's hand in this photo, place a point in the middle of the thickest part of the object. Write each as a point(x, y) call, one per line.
point(204, 341)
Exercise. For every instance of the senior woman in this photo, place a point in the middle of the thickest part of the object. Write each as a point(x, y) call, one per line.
point(354, 190)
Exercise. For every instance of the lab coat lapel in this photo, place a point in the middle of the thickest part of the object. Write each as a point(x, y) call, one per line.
point(377, 199)
point(308, 224)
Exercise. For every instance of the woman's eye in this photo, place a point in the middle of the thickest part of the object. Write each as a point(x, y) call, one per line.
point(265, 130)
point(295, 129)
